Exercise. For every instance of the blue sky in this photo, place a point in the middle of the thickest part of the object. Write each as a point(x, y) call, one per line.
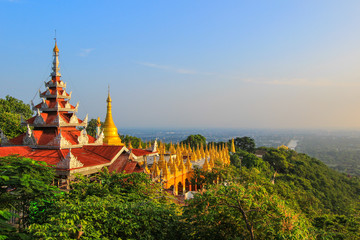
point(239, 64)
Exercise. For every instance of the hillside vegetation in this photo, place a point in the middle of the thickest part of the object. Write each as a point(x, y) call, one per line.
point(284, 195)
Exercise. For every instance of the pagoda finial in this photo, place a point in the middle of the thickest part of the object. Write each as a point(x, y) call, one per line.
point(56, 49)
point(109, 98)
point(55, 67)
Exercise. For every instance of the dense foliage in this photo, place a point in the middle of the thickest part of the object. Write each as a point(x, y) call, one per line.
point(11, 111)
point(135, 141)
point(244, 143)
point(22, 182)
point(115, 206)
point(284, 195)
point(91, 127)
point(195, 140)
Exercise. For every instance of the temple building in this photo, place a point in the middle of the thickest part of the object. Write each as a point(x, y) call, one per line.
point(57, 136)
point(175, 168)
point(53, 135)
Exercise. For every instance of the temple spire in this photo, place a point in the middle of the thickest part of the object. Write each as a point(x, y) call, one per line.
point(110, 130)
point(232, 146)
point(56, 67)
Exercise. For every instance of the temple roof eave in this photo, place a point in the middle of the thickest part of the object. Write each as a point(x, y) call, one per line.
point(55, 96)
point(55, 109)
point(82, 124)
point(56, 84)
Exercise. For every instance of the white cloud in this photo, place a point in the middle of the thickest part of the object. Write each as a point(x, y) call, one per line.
point(85, 52)
point(173, 69)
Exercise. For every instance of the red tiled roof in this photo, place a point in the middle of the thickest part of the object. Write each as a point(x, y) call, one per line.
point(43, 137)
point(51, 156)
point(141, 152)
point(130, 167)
point(52, 103)
point(108, 151)
point(50, 117)
point(53, 91)
point(122, 164)
point(21, 150)
point(17, 140)
point(87, 155)
point(119, 164)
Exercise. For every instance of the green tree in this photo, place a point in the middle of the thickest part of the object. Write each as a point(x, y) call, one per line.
point(22, 181)
point(244, 143)
point(114, 206)
point(242, 211)
point(195, 140)
point(277, 159)
point(337, 226)
point(250, 160)
point(235, 160)
point(11, 110)
point(92, 125)
point(135, 141)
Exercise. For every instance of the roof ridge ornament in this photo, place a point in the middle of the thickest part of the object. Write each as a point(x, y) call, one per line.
point(29, 138)
point(60, 141)
point(100, 138)
point(39, 120)
point(83, 139)
point(69, 162)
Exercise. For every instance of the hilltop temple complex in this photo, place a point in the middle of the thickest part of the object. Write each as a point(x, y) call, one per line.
point(57, 136)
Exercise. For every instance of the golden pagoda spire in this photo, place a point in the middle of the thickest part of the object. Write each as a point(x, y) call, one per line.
point(232, 146)
point(110, 130)
point(140, 147)
point(206, 166)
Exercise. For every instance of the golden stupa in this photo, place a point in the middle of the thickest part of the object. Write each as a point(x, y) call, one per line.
point(111, 136)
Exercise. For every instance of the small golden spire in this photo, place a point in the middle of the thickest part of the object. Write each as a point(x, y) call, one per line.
point(232, 146)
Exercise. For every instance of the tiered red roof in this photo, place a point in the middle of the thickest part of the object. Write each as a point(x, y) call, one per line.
point(88, 155)
point(56, 140)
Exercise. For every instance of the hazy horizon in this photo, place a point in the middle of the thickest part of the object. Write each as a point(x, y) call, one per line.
point(203, 64)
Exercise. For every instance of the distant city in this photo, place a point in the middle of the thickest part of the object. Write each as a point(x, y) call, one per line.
point(262, 137)
point(338, 149)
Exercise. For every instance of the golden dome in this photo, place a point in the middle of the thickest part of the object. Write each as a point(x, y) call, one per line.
point(56, 49)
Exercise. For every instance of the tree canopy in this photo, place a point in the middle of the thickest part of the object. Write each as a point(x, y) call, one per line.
point(22, 182)
point(244, 143)
point(115, 206)
point(11, 111)
point(284, 195)
point(195, 140)
point(135, 141)
point(91, 127)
